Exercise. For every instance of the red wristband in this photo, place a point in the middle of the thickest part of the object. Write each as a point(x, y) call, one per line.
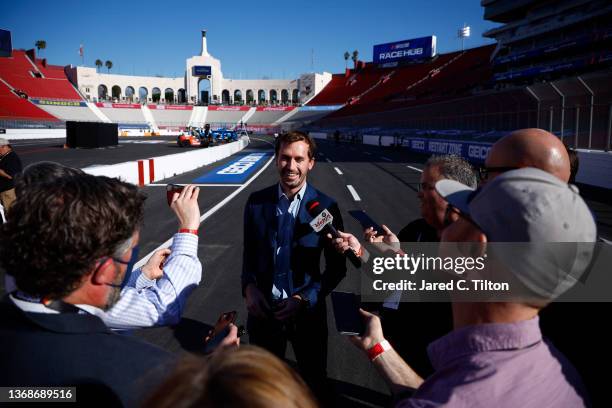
point(378, 349)
point(188, 231)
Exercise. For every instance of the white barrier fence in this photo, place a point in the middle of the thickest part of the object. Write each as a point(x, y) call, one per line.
point(25, 134)
point(142, 172)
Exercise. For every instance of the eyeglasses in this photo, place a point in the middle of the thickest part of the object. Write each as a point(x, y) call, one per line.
point(424, 187)
point(485, 172)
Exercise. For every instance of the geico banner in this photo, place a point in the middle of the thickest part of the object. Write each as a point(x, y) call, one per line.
point(417, 48)
point(472, 151)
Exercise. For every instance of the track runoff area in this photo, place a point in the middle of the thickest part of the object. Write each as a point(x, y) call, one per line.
point(381, 181)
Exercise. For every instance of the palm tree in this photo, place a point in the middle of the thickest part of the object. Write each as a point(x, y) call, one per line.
point(98, 64)
point(355, 57)
point(346, 57)
point(40, 45)
point(108, 64)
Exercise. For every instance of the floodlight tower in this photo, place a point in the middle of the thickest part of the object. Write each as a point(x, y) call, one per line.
point(463, 33)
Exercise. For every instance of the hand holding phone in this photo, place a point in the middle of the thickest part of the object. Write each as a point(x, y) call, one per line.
point(218, 335)
point(366, 221)
point(170, 190)
point(346, 312)
point(185, 206)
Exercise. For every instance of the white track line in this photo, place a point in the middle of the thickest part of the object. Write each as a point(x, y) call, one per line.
point(208, 213)
point(338, 170)
point(199, 185)
point(329, 161)
point(415, 169)
point(386, 158)
point(353, 192)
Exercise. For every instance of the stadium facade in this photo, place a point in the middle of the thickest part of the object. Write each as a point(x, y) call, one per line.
point(203, 83)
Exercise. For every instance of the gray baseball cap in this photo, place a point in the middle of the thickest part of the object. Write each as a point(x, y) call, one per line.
point(532, 207)
point(4, 142)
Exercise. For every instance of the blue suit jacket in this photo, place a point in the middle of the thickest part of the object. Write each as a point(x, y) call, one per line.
point(260, 230)
point(69, 349)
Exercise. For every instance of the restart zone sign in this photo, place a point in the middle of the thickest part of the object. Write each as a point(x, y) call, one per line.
point(234, 172)
point(471, 151)
point(415, 49)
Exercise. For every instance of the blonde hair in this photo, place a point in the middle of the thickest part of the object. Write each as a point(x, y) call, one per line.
point(247, 376)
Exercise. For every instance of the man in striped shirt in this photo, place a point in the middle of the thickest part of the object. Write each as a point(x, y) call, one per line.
point(156, 294)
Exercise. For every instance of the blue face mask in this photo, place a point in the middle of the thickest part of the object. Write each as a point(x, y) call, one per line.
point(130, 266)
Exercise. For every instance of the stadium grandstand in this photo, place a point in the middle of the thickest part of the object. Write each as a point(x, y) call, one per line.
point(549, 68)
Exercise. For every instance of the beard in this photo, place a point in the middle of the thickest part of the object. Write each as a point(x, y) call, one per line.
point(113, 298)
point(114, 294)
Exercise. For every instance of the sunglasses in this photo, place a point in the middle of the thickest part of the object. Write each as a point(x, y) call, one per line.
point(485, 172)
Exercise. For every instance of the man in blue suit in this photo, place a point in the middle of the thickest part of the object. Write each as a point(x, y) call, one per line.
point(281, 278)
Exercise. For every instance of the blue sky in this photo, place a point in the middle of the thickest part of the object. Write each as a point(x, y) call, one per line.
point(252, 39)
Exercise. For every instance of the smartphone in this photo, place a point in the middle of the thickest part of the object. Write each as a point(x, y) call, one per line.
point(366, 221)
point(171, 189)
point(220, 331)
point(346, 312)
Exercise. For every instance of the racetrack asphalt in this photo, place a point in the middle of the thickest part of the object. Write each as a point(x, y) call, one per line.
point(384, 183)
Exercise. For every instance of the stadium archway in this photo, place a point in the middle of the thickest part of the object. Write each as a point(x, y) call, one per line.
point(116, 92)
point(295, 96)
point(261, 96)
point(225, 96)
point(249, 96)
point(143, 93)
point(181, 96)
point(238, 96)
point(156, 94)
point(102, 92)
point(273, 96)
point(129, 93)
point(169, 95)
point(204, 91)
point(284, 96)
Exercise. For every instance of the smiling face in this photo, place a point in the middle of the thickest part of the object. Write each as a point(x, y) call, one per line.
point(293, 165)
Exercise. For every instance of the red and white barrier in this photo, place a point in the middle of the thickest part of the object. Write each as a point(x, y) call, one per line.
point(143, 172)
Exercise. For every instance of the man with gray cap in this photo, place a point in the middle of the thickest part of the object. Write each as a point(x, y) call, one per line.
point(496, 355)
point(10, 164)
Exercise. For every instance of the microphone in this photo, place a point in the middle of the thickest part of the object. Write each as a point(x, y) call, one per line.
point(322, 221)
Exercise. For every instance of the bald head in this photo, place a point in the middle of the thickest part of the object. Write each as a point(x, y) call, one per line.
point(531, 148)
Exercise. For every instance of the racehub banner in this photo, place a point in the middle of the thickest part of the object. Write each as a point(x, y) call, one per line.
point(415, 49)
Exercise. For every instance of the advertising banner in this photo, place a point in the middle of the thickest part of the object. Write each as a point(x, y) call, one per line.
point(275, 108)
point(201, 70)
point(57, 103)
point(415, 49)
point(320, 108)
point(471, 151)
point(6, 47)
point(170, 107)
point(118, 105)
point(229, 108)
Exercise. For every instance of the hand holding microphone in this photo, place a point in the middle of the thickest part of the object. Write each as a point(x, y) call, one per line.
point(322, 222)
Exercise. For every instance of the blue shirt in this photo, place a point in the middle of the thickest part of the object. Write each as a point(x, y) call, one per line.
point(286, 213)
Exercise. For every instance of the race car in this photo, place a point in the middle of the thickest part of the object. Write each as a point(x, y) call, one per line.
point(194, 138)
point(189, 141)
point(224, 136)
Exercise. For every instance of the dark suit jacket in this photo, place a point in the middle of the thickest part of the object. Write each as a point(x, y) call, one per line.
point(70, 349)
point(260, 230)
